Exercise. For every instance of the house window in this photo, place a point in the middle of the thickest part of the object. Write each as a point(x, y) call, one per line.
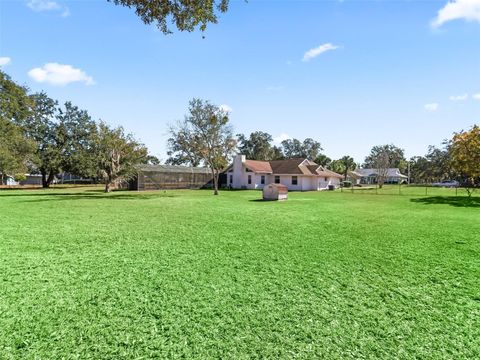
point(294, 180)
point(262, 179)
point(249, 179)
point(326, 179)
point(231, 179)
point(277, 179)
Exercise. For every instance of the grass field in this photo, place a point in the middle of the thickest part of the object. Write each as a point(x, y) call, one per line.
point(184, 274)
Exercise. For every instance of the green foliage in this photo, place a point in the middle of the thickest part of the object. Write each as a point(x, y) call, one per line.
point(390, 154)
point(186, 15)
point(76, 132)
point(323, 160)
point(41, 128)
point(436, 165)
point(256, 147)
point(116, 155)
point(294, 148)
point(152, 160)
point(15, 106)
point(348, 164)
point(337, 166)
point(182, 274)
point(465, 155)
point(206, 135)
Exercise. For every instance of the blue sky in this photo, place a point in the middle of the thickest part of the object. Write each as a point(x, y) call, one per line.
point(390, 72)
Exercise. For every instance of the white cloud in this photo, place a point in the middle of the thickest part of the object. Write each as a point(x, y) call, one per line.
point(48, 5)
point(431, 107)
point(226, 108)
point(313, 53)
point(476, 96)
point(459, 97)
point(277, 140)
point(5, 61)
point(43, 5)
point(468, 10)
point(58, 74)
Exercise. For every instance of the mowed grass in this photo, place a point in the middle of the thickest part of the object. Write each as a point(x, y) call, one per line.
point(184, 274)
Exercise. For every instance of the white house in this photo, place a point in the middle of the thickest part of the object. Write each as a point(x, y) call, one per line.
point(296, 174)
point(369, 176)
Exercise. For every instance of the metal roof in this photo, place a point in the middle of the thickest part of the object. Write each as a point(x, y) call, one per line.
point(392, 172)
point(173, 169)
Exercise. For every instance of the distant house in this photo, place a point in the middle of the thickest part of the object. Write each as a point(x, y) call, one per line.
point(28, 180)
point(8, 180)
point(370, 176)
point(162, 177)
point(295, 174)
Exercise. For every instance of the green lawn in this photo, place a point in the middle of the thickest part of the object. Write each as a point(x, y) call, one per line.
point(184, 274)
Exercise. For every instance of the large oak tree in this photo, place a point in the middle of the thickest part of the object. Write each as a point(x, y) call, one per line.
point(116, 155)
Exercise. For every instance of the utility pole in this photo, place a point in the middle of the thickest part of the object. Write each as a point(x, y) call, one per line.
point(408, 165)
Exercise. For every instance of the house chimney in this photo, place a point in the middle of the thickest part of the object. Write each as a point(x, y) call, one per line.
point(238, 170)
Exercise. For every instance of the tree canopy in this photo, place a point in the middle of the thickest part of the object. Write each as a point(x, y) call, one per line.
point(465, 150)
point(116, 154)
point(204, 134)
point(391, 154)
point(258, 146)
point(294, 148)
point(186, 15)
point(15, 106)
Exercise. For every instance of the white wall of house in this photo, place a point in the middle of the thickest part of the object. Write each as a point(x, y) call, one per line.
point(238, 178)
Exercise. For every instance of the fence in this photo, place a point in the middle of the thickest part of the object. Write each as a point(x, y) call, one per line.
point(404, 189)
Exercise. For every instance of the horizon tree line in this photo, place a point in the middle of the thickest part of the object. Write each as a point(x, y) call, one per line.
point(40, 136)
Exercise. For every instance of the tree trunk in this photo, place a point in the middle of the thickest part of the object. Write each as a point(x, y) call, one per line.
point(50, 178)
point(215, 182)
point(45, 183)
point(108, 183)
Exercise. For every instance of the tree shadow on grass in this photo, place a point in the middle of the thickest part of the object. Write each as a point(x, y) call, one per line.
point(91, 195)
point(457, 201)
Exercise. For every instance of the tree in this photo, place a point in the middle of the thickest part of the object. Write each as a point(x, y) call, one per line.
point(152, 160)
point(337, 166)
point(294, 148)
point(396, 157)
point(347, 164)
point(187, 15)
point(116, 155)
point(382, 162)
point(76, 132)
point(323, 160)
point(439, 165)
point(258, 146)
point(15, 150)
point(41, 128)
point(277, 153)
point(15, 106)
point(182, 146)
point(206, 134)
point(465, 150)
point(419, 169)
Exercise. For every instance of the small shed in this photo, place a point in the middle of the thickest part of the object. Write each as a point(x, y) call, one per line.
point(275, 192)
